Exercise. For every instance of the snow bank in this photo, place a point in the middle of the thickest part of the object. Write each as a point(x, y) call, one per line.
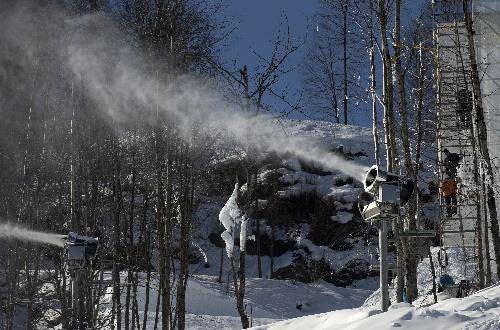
point(478, 311)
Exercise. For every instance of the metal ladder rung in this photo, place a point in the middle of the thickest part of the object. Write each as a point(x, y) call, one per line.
point(454, 138)
point(450, 227)
point(448, 46)
point(452, 114)
point(456, 146)
point(459, 133)
point(455, 71)
point(458, 247)
point(418, 233)
point(458, 231)
point(461, 140)
point(451, 124)
point(474, 204)
point(447, 126)
point(450, 69)
point(465, 218)
point(445, 93)
point(452, 85)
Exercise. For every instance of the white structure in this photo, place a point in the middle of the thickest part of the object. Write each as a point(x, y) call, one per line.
point(459, 230)
point(487, 26)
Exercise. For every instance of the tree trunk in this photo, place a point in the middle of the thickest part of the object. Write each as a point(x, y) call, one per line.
point(239, 290)
point(131, 247)
point(390, 135)
point(184, 223)
point(271, 249)
point(389, 128)
point(147, 239)
point(486, 238)
point(403, 109)
point(157, 310)
point(345, 4)
point(409, 244)
point(433, 273)
point(221, 267)
point(116, 233)
point(373, 87)
point(253, 207)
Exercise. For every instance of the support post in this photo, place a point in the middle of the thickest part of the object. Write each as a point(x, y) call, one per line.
point(76, 301)
point(384, 271)
point(75, 298)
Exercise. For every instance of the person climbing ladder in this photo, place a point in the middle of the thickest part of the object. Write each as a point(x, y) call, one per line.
point(451, 163)
point(449, 193)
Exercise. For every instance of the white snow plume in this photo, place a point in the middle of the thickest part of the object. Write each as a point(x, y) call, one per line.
point(127, 86)
point(121, 90)
point(11, 231)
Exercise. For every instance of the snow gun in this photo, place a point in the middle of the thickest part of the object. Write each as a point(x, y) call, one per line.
point(385, 193)
point(79, 249)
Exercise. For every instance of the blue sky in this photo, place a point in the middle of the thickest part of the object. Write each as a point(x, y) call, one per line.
point(257, 23)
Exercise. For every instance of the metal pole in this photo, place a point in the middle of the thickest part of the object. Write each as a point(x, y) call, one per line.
point(75, 298)
point(384, 272)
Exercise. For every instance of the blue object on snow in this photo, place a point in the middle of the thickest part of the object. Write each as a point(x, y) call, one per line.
point(446, 280)
point(405, 296)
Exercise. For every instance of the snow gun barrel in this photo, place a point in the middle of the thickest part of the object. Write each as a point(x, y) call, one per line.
point(376, 176)
point(79, 249)
point(389, 191)
point(388, 186)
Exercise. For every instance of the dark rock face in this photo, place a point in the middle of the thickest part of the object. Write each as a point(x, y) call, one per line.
point(280, 246)
point(354, 270)
point(216, 239)
point(306, 214)
point(307, 270)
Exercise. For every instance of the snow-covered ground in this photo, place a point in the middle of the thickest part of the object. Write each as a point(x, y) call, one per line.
point(210, 305)
point(478, 311)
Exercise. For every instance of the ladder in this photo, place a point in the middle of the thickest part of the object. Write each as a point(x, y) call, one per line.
point(458, 228)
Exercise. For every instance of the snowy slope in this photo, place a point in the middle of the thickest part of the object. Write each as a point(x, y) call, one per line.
point(330, 135)
point(478, 311)
point(210, 305)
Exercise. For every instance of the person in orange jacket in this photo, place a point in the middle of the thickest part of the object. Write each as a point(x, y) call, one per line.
point(449, 192)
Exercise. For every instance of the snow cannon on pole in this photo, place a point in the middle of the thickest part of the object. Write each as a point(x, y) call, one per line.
point(390, 192)
point(79, 250)
point(385, 194)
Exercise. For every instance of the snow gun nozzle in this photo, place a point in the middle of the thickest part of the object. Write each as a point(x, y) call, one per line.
point(388, 187)
point(79, 249)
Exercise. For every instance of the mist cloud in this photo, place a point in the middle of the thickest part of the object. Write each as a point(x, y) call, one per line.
point(123, 85)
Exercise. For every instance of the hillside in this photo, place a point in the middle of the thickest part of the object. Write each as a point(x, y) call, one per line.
point(310, 216)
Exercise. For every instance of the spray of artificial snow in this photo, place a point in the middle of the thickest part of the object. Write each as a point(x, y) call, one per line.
point(121, 90)
point(126, 85)
point(10, 231)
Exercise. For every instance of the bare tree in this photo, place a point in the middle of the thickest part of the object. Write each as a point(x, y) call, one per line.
point(331, 72)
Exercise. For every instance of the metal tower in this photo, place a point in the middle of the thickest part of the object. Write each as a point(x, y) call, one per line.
point(460, 213)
